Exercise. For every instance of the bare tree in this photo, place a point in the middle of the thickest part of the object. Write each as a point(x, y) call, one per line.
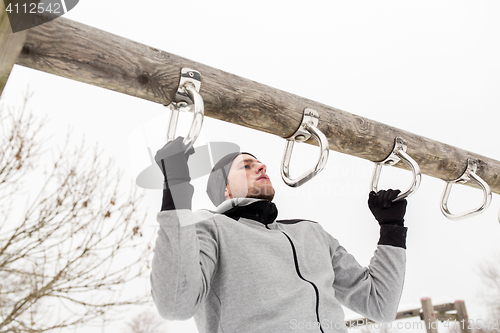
point(70, 237)
point(489, 272)
point(147, 322)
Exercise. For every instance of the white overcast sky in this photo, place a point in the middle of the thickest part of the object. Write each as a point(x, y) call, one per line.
point(428, 67)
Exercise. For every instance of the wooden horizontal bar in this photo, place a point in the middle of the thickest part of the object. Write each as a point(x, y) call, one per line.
point(86, 54)
point(445, 307)
point(408, 314)
point(446, 316)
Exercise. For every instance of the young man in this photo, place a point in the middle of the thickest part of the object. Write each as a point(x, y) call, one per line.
point(238, 269)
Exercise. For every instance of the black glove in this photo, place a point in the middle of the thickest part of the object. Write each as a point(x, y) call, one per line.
point(172, 160)
point(386, 211)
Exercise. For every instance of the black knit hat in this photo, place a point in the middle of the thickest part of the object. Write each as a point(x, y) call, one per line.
point(217, 180)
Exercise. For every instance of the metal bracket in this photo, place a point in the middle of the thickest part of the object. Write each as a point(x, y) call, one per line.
point(468, 175)
point(398, 154)
point(308, 127)
point(187, 97)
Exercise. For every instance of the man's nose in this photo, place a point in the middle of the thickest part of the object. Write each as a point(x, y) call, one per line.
point(261, 168)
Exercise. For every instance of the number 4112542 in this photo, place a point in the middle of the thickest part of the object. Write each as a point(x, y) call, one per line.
point(33, 8)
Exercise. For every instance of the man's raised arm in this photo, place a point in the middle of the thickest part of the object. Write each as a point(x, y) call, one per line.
point(186, 248)
point(375, 291)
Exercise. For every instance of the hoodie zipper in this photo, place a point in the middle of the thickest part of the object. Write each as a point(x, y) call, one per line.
point(302, 278)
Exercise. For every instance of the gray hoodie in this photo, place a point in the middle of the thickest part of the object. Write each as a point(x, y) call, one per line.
point(238, 274)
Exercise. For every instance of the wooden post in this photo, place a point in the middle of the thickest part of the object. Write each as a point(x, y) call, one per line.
point(86, 54)
point(428, 316)
point(11, 43)
point(462, 317)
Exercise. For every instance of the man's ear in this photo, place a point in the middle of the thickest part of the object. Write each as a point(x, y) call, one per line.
point(227, 192)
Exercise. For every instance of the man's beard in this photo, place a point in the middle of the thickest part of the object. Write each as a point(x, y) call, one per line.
point(258, 193)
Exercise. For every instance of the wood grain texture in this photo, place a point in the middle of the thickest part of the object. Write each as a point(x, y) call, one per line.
point(86, 54)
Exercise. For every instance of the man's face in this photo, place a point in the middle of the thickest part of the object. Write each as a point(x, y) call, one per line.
point(247, 178)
